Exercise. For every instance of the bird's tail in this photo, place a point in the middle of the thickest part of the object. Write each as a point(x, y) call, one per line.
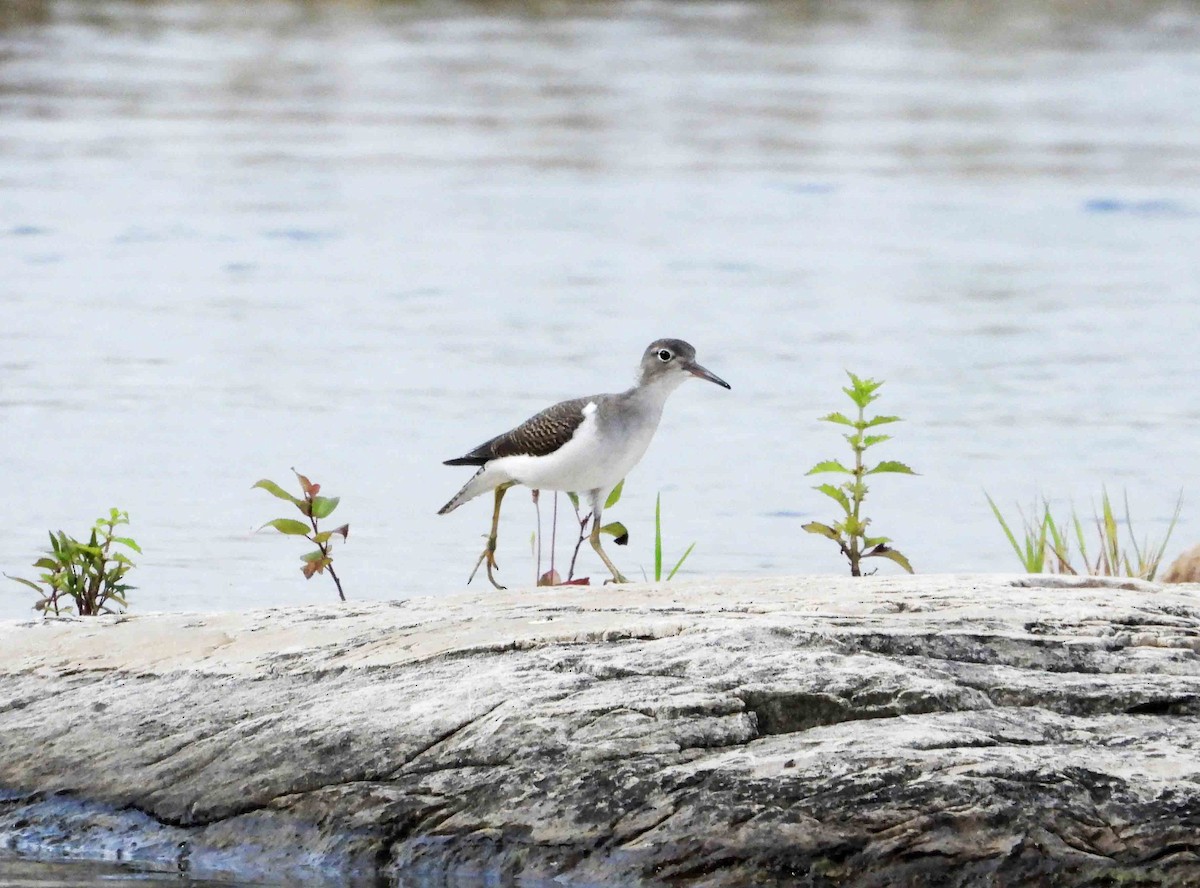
point(487, 478)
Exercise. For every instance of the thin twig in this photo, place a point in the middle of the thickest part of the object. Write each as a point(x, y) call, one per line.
point(583, 523)
point(324, 547)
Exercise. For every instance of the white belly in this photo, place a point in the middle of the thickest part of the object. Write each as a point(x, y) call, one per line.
point(589, 461)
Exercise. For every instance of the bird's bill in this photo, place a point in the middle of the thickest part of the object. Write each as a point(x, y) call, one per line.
point(700, 373)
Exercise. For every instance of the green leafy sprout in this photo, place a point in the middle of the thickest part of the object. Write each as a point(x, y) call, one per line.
point(90, 576)
point(850, 532)
point(313, 507)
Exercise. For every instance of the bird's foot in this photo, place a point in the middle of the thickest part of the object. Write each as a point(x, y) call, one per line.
point(488, 556)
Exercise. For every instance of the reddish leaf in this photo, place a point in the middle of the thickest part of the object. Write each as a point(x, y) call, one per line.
point(579, 581)
point(310, 489)
point(550, 578)
point(315, 567)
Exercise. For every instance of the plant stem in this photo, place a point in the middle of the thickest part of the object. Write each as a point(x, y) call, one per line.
point(853, 555)
point(324, 547)
point(583, 523)
point(336, 581)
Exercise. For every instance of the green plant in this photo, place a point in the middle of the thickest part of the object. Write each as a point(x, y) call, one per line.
point(1045, 544)
point(313, 507)
point(1040, 537)
point(90, 575)
point(658, 547)
point(850, 533)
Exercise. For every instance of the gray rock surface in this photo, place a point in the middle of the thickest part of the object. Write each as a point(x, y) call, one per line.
point(817, 731)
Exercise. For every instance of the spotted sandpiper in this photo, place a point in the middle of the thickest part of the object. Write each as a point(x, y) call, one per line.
point(585, 445)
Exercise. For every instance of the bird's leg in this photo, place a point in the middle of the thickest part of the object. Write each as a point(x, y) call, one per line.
point(553, 533)
point(489, 553)
point(537, 577)
point(597, 509)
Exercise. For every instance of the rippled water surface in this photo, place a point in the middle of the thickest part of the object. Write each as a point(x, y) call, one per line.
point(360, 238)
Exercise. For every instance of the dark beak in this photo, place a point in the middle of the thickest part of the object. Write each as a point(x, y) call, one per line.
point(699, 372)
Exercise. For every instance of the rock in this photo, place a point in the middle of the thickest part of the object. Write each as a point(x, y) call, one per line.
point(1185, 568)
point(914, 731)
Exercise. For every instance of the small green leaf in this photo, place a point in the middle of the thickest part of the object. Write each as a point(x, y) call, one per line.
point(868, 542)
point(32, 585)
point(313, 556)
point(616, 530)
point(892, 555)
point(275, 490)
point(323, 506)
point(126, 541)
point(871, 440)
point(615, 496)
point(881, 420)
point(574, 498)
point(828, 465)
point(890, 465)
point(835, 493)
point(47, 563)
point(839, 418)
point(289, 526)
point(823, 530)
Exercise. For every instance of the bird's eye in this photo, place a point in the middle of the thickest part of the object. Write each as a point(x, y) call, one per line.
point(664, 355)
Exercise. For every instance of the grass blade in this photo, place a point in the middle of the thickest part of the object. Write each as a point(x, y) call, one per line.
point(679, 563)
point(658, 538)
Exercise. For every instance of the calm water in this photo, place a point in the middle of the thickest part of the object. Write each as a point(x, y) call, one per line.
point(360, 238)
point(18, 873)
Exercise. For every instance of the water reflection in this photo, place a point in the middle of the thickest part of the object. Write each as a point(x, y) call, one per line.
point(21, 873)
point(359, 237)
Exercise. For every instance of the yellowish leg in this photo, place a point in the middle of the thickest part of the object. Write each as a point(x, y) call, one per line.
point(617, 577)
point(489, 553)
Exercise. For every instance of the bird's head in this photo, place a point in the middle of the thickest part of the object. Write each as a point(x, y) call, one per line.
point(672, 361)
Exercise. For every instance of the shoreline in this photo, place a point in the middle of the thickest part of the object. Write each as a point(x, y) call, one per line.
point(843, 731)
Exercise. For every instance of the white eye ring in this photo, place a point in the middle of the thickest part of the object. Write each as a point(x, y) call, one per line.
point(664, 355)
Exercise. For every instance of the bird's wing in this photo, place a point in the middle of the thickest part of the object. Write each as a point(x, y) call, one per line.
point(536, 436)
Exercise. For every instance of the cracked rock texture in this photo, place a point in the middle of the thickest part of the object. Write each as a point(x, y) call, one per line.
point(817, 731)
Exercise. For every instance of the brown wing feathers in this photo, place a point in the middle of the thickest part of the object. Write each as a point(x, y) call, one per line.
point(536, 436)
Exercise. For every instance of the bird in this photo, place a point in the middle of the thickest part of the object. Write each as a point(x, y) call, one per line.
point(584, 446)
